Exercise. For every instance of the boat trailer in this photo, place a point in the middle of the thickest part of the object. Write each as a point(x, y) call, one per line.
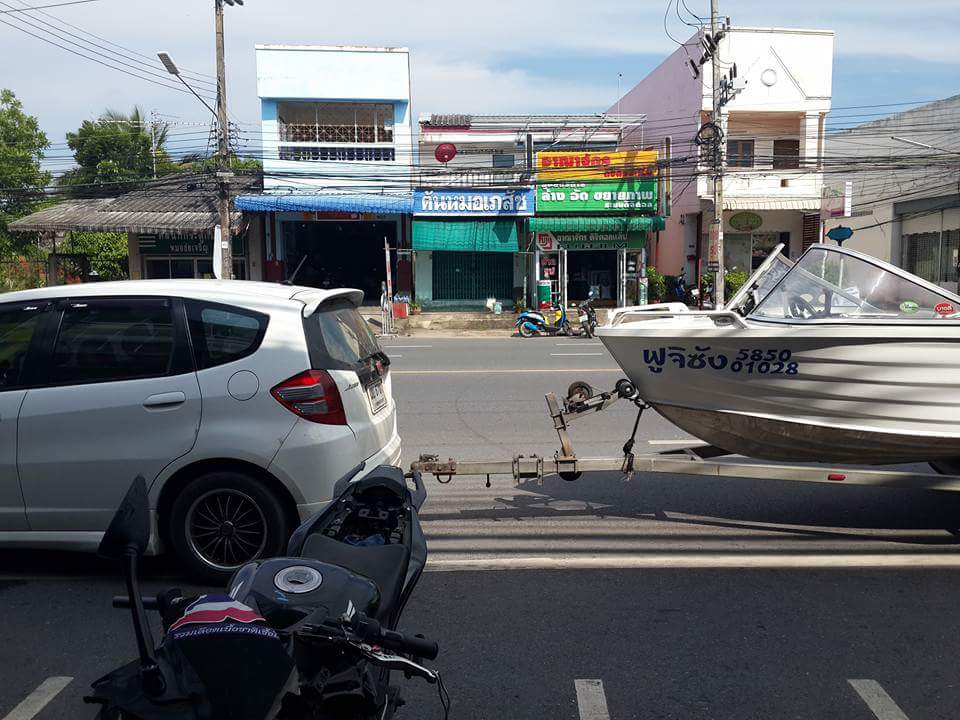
point(694, 459)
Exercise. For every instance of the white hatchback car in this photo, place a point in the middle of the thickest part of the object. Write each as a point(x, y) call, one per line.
point(241, 403)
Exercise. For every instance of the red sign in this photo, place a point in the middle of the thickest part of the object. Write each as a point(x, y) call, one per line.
point(445, 152)
point(944, 308)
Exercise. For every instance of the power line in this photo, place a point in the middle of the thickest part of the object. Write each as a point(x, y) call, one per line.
point(40, 7)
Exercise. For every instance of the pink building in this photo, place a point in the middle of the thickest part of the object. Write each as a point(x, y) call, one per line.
point(774, 144)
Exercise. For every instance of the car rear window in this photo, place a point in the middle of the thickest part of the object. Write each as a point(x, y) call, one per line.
point(338, 337)
point(223, 333)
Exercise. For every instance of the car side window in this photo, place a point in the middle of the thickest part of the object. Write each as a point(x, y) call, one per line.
point(18, 324)
point(113, 339)
point(223, 333)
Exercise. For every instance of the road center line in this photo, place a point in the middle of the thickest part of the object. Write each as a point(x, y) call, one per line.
point(876, 698)
point(394, 355)
point(591, 700)
point(573, 354)
point(691, 441)
point(579, 344)
point(38, 699)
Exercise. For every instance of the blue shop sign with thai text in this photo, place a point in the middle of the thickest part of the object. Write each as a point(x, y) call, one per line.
point(473, 203)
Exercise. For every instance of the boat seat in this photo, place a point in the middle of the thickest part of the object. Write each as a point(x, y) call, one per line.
point(386, 565)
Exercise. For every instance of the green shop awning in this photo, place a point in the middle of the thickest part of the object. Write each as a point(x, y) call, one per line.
point(635, 223)
point(466, 235)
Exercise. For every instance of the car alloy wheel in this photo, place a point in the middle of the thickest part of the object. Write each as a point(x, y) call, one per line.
point(225, 528)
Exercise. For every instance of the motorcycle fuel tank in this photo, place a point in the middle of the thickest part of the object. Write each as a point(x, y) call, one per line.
point(288, 590)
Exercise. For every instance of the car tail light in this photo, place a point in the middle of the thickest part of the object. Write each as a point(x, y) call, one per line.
point(313, 395)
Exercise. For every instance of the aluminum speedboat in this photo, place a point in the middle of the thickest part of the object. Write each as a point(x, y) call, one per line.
point(837, 358)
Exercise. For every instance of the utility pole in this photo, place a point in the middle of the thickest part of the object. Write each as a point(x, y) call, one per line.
point(153, 141)
point(224, 174)
point(716, 228)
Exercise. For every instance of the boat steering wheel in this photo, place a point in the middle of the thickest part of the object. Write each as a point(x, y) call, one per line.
point(799, 307)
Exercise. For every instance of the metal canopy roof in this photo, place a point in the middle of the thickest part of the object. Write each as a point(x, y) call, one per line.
point(328, 202)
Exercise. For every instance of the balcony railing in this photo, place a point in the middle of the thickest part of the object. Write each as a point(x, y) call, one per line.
point(352, 134)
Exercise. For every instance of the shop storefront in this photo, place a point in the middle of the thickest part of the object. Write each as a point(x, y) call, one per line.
point(188, 256)
point(467, 246)
point(337, 239)
point(594, 213)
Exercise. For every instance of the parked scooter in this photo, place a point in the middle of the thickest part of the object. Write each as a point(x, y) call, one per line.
point(534, 322)
point(588, 315)
point(306, 637)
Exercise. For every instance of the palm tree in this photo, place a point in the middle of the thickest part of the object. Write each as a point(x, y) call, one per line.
point(135, 124)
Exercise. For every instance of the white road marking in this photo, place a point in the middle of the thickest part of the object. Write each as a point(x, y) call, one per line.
point(638, 561)
point(500, 371)
point(691, 441)
point(573, 354)
point(38, 699)
point(591, 700)
point(876, 698)
point(394, 355)
point(579, 344)
point(405, 347)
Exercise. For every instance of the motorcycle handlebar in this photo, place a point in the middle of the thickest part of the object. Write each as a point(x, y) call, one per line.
point(370, 631)
point(122, 602)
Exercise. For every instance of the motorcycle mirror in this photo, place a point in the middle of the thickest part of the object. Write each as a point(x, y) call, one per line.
point(592, 294)
point(130, 527)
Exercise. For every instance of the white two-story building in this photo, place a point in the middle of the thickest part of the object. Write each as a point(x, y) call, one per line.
point(337, 153)
point(774, 144)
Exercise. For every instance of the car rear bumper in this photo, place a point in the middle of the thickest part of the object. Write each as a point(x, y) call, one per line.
point(310, 462)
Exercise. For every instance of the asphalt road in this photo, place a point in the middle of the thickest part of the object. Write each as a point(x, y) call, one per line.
point(686, 597)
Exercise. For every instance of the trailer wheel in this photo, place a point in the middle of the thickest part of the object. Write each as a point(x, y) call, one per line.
point(579, 390)
point(571, 476)
point(626, 389)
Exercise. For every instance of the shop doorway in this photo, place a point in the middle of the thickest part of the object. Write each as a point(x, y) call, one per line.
point(334, 253)
point(592, 268)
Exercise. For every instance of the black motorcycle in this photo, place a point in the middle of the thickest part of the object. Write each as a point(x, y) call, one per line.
point(306, 637)
point(588, 316)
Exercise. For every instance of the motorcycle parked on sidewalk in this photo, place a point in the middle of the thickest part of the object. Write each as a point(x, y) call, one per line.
point(311, 636)
point(534, 322)
point(588, 316)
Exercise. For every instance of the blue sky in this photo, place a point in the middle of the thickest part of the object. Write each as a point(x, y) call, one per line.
point(497, 56)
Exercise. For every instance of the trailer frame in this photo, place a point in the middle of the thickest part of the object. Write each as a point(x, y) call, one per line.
point(694, 459)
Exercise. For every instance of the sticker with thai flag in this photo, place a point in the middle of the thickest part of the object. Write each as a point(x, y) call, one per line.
point(212, 609)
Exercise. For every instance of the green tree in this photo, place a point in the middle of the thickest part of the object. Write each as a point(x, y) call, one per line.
point(115, 149)
point(22, 180)
point(107, 252)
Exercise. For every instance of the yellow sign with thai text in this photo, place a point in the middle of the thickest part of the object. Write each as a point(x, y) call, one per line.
point(563, 165)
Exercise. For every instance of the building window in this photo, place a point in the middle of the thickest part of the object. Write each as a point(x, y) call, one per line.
point(922, 255)
point(504, 161)
point(786, 154)
point(740, 153)
point(337, 154)
point(166, 268)
point(332, 122)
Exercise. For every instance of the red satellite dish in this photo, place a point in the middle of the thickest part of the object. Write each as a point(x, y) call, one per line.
point(445, 152)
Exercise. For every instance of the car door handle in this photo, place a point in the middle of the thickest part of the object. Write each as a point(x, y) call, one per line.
point(167, 399)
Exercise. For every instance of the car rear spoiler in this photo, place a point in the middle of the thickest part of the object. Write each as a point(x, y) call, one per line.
point(312, 299)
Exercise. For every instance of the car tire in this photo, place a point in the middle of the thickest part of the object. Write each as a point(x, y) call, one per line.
point(222, 520)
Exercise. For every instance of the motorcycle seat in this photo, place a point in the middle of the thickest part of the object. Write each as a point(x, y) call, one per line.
point(386, 565)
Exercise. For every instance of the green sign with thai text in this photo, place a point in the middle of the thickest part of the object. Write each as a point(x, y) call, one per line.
point(630, 195)
point(186, 246)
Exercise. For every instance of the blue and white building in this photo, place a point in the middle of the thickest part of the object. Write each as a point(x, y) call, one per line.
point(337, 147)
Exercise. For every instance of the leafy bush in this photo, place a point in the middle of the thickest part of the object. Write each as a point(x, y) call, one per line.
point(656, 285)
point(734, 281)
point(107, 252)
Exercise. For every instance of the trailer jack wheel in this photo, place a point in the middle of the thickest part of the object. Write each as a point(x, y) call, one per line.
point(571, 476)
point(579, 390)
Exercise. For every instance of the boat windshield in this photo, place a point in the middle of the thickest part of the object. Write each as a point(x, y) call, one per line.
point(830, 284)
point(763, 280)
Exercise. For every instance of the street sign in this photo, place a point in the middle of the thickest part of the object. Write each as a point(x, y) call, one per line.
point(840, 233)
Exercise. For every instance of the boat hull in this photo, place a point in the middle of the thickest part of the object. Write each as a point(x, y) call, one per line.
point(824, 394)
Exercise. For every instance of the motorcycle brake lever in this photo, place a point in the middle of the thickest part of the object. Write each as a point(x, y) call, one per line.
point(397, 662)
